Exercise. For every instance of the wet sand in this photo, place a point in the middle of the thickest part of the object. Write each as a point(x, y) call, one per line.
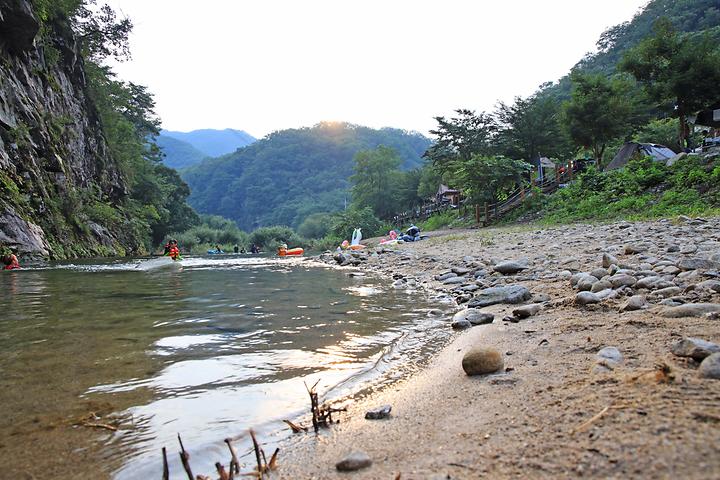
point(551, 414)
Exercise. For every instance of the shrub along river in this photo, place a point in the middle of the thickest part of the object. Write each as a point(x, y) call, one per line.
point(207, 349)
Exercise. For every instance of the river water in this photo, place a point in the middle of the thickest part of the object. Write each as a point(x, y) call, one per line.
point(206, 349)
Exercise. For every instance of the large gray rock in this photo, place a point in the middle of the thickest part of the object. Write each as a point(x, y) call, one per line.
point(26, 238)
point(354, 461)
point(695, 348)
point(482, 360)
point(509, 267)
point(512, 294)
point(690, 310)
point(710, 367)
point(18, 25)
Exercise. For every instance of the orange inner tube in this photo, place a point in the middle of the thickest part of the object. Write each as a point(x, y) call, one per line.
point(290, 252)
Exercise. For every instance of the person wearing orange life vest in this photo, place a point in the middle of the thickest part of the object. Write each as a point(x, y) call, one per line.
point(172, 250)
point(10, 262)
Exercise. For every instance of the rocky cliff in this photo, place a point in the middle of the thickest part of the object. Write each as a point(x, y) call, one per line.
point(54, 161)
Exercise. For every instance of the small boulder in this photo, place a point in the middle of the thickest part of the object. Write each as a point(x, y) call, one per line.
point(608, 260)
point(474, 316)
point(691, 310)
point(636, 302)
point(586, 282)
point(710, 367)
point(354, 461)
point(687, 264)
point(599, 272)
point(695, 348)
point(527, 310)
point(482, 360)
point(378, 413)
point(509, 267)
point(600, 285)
point(460, 324)
point(586, 298)
point(622, 280)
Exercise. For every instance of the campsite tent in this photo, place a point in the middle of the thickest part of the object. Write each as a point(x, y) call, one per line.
point(659, 153)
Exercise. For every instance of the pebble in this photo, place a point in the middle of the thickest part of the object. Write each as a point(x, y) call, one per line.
point(608, 359)
point(636, 302)
point(482, 360)
point(632, 249)
point(599, 272)
point(600, 285)
point(622, 280)
point(695, 348)
point(608, 260)
point(710, 285)
point(460, 324)
point(453, 280)
point(474, 316)
point(690, 310)
point(586, 298)
point(668, 292)
point(460, 270)
point(444, 276)
point(586, 282)
point(378, 413)
point(510, 267)
point(354, 461)
point(687, 264)
point(710, 367)
point(527, 310)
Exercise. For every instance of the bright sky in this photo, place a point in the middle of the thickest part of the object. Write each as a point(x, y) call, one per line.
point(266, 65)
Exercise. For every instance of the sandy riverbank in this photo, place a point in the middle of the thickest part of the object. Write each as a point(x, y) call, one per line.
point(553, 413)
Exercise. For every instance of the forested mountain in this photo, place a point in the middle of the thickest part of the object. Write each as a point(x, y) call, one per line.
point(178, 154)
point(687, 16)
point(212, 143)
point(291, 174)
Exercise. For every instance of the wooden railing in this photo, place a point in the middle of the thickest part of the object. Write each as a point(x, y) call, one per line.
point(489, 212)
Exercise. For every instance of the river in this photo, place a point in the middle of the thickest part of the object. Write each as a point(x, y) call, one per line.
point(206, 349)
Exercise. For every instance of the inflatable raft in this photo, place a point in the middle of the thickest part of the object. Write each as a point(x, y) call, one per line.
point(290, 252)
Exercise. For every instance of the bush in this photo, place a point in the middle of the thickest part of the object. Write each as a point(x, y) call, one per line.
point(271, 237)
point(315, 225)
point(343, 223)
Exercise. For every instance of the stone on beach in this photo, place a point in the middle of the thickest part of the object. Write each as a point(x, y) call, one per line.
point(461, 324)
point(474, 316)
point(527, 310)
point(608, 359)
point(378, 413)
point(608, 260)
point(695, 348)
point(482, 360)
point(686, 264)
point(586, 298)
point(690, 310)
point(636, 302)
point(710, 367)
point(509, 267)
point(354, 461)
point(586, 282)
point(512, 294)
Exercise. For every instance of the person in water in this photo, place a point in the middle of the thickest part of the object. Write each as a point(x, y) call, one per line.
point(10, 262)
point(254, 249)
point(236, 248)
point(173, 251)
point(217, 249)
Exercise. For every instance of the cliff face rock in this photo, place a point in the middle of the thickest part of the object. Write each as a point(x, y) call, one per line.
point(53, 157)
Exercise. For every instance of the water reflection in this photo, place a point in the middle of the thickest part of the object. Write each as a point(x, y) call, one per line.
point(207, 348)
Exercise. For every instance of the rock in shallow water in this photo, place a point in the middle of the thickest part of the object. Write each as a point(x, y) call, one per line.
point(354, 461)
point(694, 348)
point(482, 360)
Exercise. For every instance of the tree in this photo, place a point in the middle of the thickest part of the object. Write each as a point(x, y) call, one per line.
point(486, 178)
point(530, 127)
point(599, 110)
point(376, 179)
point(461, 137)
point(679, 72)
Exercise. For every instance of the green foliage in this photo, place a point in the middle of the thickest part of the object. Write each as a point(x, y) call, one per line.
point(486, 179)
point(210, 232)
point(376, 179)
point(680, 73)
point(269, 238)
point(315, 225)
point(291, 174)
point(663, 131)
point(599, 110)
point(643, 189)
point(438, 221)
point(460, 138)
point(343, 223)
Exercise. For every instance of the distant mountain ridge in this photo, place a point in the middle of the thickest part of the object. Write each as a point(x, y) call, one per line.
point(212, 143)
point(290, 174)
point(178, 154)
